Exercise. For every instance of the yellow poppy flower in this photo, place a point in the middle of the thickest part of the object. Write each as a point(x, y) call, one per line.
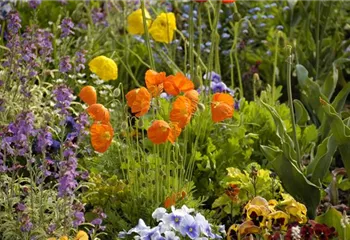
point(81, 235)
point(61, 238)
point(135, 22)
point(104, 67)
point(163, 27)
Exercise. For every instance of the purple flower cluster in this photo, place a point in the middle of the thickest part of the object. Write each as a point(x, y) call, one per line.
point(68, 173)
point(65, 65)
point(178, 221)
point(26, 224)
point(34, 3)
point(13, 23)
point(66, 27)
point(78, 216)
point(63, 97)
point(99, 219)
point(80, 60)
point(216, 85)
point(16, 137)
point(99, 17)
point(44, 140)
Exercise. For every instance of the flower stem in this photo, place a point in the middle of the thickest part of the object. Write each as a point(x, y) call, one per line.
point(147, 40)
point(290, 103)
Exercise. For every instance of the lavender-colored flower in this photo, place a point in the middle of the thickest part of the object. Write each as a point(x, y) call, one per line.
point(63, 2)
point(13, 23)
point(44, 139)
point(65, 65)
point(51, 228)
point(21, 207)
point(212, 76)
point(97, 221)
point(78, 218)
point(80, 60)
point(159, 213)
point(279, 27)
point(26, 224)
point(63, 97)
point(99, 17)
point(16, 137)
point(34, 3)
point(141, 226)
point(189, 227)
point(170, 235)
point(66, 27)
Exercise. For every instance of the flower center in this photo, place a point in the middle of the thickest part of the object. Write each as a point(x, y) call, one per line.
point(176, 219)
point(190, 230)
point(106, 135)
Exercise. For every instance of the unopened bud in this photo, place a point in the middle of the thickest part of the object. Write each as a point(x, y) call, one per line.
point(201, 107)
point(116, 92)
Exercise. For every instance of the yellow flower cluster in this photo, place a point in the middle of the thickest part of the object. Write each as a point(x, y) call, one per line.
point(104, 67)
point(263, 215)
point(162, 29)
point(81, 235)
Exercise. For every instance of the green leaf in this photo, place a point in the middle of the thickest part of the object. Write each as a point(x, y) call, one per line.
point(330, 83)
point(301, 114)
point(293, 180)
point(286, 141)
point(341, 133)
point(333, 218)
point(319, 166)
point(340, 99)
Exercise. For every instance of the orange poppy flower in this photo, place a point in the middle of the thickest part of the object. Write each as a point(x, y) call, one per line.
point(181, 111)
point(158, 132)
point(154, 82)
point(228, 1)
point(139, 100)
point(221, 107)
point(88, 95)
point(173, 85)
point(170, 201)
point(98, 113)
point(193, 95)
point(101, 136)
point(175, 132)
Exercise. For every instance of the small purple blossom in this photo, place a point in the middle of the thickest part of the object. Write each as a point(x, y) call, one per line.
point(78, 218)
point(66, 27)
point(44, 139)
point(13, 23)
point(80, 60)
point(99, 17)
point(65, 65)
point(63, 97)
point(34, 3)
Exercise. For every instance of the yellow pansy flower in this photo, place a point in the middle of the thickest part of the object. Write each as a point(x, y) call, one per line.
point(81, 235)
point(104, 67)
point(163, 27)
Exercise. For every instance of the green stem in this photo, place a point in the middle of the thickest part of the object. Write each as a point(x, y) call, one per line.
point(318, 12)
point(148, 44)
point(275, 65)
point(290, 103)
point(191, 40)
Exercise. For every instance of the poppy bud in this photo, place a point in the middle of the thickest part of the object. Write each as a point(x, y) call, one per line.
point(116, 92)
point(201, 107)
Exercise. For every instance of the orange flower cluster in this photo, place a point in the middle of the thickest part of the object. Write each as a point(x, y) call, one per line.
point(101, 130)
point(139, 100)
point(171, 200)
point(222, 107)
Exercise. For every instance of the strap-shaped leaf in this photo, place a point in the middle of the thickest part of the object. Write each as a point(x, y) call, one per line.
point(319, 166)
point(301, 114)
point(293, 180)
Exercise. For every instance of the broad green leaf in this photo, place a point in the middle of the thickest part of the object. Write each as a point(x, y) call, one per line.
point(333, 218)
point(286, 141)
point(340, 99)
point(301, 114)
point(330, 83)
point(319, 166)
point(341, 133)
point(293, 180)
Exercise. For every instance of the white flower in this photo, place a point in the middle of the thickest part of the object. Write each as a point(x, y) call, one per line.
point(158, 214)
point(141, 226)
point(296, 233)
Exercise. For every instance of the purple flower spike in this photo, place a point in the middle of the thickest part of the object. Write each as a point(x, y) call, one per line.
point(65, 65)
point(66, 27)
point(34, 3)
